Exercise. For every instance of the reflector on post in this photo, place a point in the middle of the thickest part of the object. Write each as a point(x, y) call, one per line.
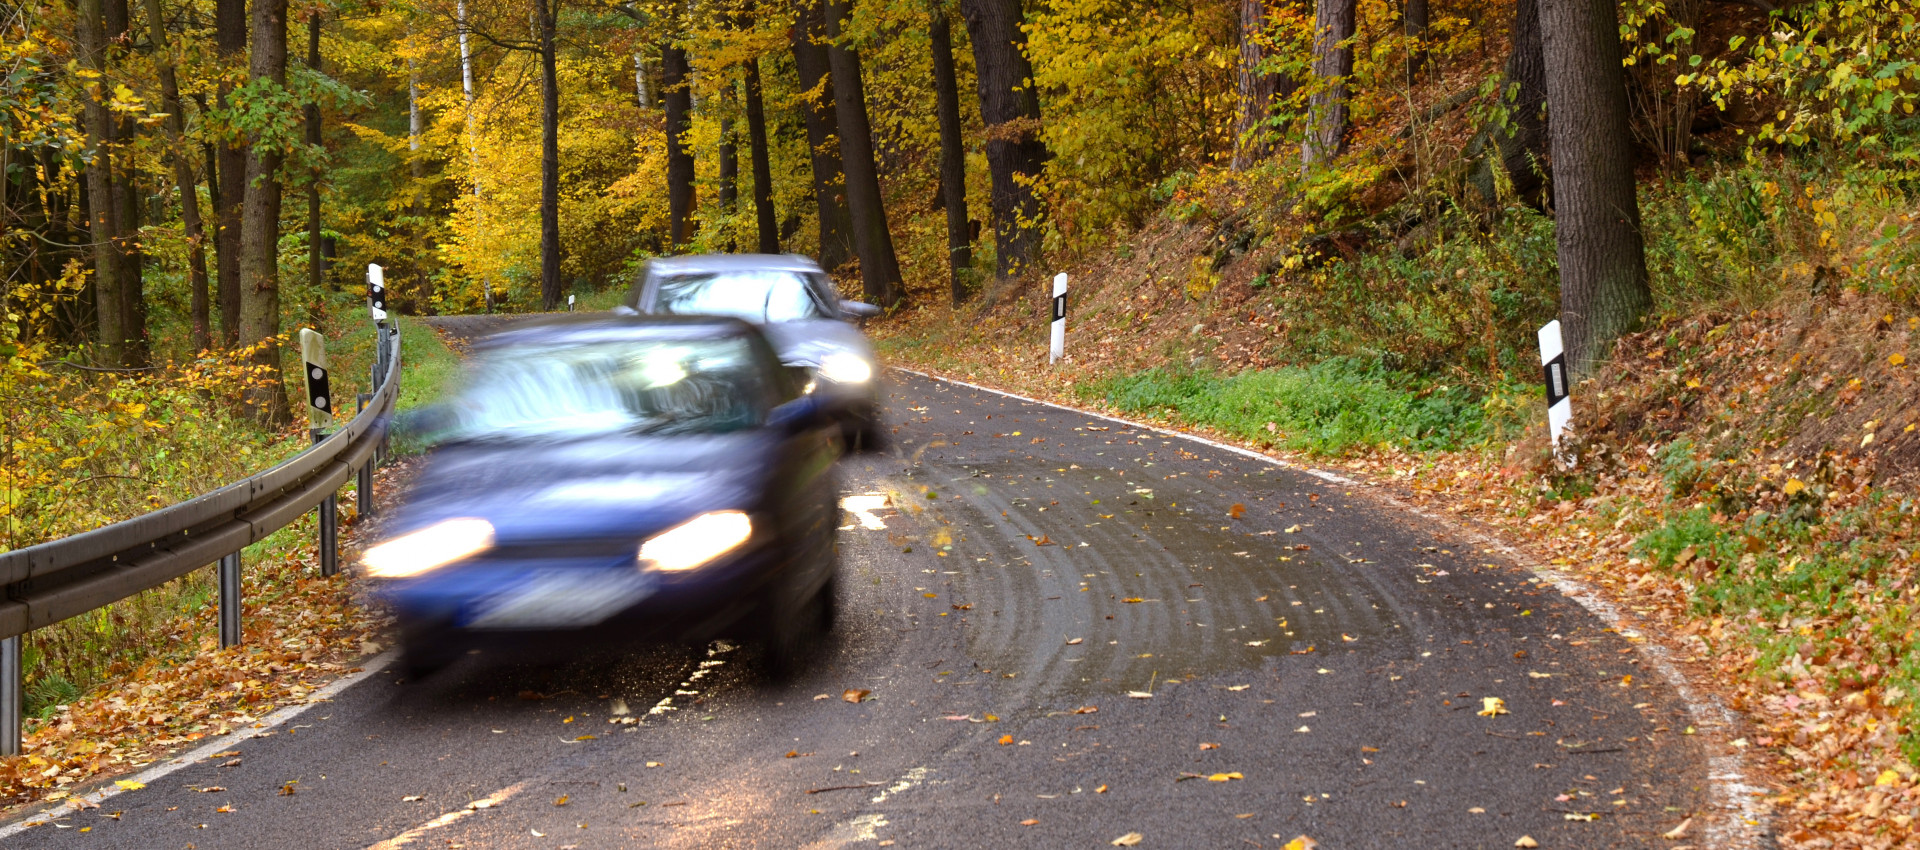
point(1058, 349)
point(1553, 363)
point(313, 353)
point(377, 292)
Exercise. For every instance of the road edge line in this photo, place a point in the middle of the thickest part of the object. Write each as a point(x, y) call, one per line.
point(213, 745)
point(1745, 823)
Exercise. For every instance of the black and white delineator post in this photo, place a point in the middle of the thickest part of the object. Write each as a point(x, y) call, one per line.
point(377, 292)
point(313, 356)
point(569, 303)
point(1553, 362)
point(1059, 346)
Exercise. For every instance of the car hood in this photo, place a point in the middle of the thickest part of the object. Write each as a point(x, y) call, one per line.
point(588, 489)
point(803, 343)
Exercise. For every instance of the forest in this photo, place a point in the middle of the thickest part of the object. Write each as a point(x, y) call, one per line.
point(1330, 227)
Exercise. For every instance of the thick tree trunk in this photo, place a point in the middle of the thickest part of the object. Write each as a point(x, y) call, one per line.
point(1415, 23)
point(550, 286)
point(183, 179)
point(316, 255)
point(1011, 110)
point(1333, 23)
point(810, 60)
point(1254, 90)
point(679, 100)
point(260, 228)
point(872, 241)
point(127, 198)
point(92, 54)
point(953, 156)
point(1603, 269)
point(1522, 145)
point(764, 219)
point(230, 36)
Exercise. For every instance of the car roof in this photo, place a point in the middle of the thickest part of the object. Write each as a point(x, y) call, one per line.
point(602, 327)
point(697, 263)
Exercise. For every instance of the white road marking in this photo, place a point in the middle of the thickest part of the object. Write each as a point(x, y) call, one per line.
point(202, 752)
point(1744, 821)
point(414, 834)
point(864, 506)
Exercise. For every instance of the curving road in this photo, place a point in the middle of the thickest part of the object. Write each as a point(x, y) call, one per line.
point(1069, 630)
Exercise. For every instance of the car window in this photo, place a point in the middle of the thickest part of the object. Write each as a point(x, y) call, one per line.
point(760, 296)
point(607, 388)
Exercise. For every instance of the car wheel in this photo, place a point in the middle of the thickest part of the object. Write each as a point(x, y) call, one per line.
point(866, 437)
point(424, 651)
point(793, 631)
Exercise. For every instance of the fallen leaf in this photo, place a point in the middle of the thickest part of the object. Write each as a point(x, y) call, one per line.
point(1073, 641)
point(1133, 599)
point(563, 799)
point(1006, 740)
point(855, 694)
point(1886, 779)
point(1677, 832)
point(1100, 790)
point(213, 789)
point(1238, 687)
point(1239, 510)
point(1300, 842)
point(1128, 840)
point(413, 798)
point(224, 810)
point(1029, 822)
point(1223, 777)
point(129, 785)
point(1293, 529)
point(1526, 841)
point(1495, 706)
point(1140, 694)
point(287, 790)
point(1207, 746)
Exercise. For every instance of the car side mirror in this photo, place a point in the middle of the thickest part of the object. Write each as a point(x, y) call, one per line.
point(798, 415)
point(859, 309)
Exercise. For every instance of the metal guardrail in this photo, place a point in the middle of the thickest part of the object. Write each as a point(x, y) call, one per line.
point(64, 578)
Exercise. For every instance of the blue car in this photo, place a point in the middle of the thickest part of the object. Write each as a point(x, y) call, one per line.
point(617, 480)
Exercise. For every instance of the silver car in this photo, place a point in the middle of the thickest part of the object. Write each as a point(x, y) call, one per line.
point(795, 304)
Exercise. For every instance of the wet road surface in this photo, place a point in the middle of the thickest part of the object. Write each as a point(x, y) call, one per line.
point(1070, 630)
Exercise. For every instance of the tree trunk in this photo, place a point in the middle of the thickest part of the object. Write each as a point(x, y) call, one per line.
point(316, 257)
point(1254, 89)
point(183, 179)
point(1414, 23)
point(729, 189)
point(763, 214)
point(1603, 269)
point(810, 60)
point(679, 101)
point(953, 155)
point(260, 228)
point(1522, 144)
point(872, 241)
point(127, 199)
point(550, 287)
point(92, 55)
point(230, 35)
point(1011, 110)
point(1333, 22)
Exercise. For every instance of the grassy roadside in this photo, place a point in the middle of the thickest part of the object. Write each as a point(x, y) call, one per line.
point(1748, 482)
point(115, 689)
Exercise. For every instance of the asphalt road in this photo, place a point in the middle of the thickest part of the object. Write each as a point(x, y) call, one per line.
point(1310, 664)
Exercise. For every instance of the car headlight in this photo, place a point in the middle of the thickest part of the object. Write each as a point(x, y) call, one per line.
point(429, 548)
point(844, 368)
point(696, 542)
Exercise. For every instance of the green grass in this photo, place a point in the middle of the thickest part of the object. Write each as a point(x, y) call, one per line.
point(1330, 408)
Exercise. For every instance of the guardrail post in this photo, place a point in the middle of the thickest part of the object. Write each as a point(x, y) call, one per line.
point(329, 525)
point(229, 570)
point(363, 488)
point(12, 701)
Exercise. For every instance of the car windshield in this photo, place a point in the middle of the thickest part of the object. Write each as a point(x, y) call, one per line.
point(756, 295)
point(606, 388)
